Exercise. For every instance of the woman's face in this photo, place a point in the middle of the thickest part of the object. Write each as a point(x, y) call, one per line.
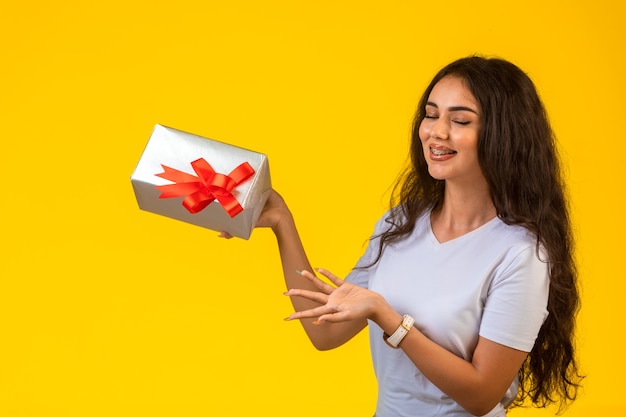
point(449, 132)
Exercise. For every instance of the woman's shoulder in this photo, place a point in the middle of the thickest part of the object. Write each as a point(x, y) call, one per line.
point(394, 217)
point(513, 235)
point(397, 215)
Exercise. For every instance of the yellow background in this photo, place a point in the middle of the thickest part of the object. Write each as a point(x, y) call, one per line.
point(106, 310)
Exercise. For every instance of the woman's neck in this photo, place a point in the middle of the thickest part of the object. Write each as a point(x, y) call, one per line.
point(462, 210)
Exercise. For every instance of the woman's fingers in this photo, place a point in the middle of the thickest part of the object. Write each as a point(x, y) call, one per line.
point(334, 317)
point(322, 313)
point(321, 285)
point(312, 313)
point(311, 295)
point(332, 277)
point(325, 312)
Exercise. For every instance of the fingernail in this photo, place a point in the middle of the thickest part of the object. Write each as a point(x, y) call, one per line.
point(288, 318)
point(316, 322)
point(298, 272)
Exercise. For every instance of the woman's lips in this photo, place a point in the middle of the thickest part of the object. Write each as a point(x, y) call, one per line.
point(441, 153)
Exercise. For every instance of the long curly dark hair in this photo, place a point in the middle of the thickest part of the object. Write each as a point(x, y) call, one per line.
point(518, 157)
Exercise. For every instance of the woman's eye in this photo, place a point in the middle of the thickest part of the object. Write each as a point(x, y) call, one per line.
point(430, 116)
point(459, 122)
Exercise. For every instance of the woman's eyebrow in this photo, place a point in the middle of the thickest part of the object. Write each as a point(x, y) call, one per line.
point(453, 108)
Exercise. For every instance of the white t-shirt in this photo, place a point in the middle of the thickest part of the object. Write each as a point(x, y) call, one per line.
point(488, 282)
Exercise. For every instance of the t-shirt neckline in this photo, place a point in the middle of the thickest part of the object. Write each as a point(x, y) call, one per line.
point(458, 238)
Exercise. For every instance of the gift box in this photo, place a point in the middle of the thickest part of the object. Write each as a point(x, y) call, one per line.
point(202, 181)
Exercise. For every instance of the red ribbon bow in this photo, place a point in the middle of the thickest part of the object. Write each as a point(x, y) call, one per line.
point(200, 191)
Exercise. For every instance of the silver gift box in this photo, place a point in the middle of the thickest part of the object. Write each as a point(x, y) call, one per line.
point(177, 149)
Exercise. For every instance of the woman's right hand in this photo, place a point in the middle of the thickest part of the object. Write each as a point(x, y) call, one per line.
point(274, 211)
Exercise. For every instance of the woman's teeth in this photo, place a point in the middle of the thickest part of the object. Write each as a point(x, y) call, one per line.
point(439, 152)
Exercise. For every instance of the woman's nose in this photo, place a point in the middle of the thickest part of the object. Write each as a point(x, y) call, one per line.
point(439, 129)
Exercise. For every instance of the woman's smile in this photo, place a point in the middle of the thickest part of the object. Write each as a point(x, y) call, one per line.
point(441, 153)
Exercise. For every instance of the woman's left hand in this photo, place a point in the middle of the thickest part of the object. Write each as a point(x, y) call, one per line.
point(342, 302)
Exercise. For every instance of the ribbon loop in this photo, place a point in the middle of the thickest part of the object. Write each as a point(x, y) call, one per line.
point(201, 190)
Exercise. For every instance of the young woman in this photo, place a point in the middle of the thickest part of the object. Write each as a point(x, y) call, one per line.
point(468, 283)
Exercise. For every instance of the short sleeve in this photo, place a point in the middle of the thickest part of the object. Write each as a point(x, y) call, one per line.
point(517, 300)
point(360, 273)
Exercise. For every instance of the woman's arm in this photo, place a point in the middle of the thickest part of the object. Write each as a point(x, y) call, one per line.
point(477, 385)
point(278, 217)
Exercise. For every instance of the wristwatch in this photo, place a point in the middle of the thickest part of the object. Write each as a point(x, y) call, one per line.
point(402, 330)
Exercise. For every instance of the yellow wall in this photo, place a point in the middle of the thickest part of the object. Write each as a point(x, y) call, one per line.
point(106, 310)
